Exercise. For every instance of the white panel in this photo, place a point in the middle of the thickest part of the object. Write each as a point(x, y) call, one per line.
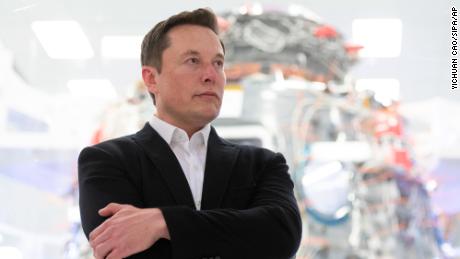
point(386, 89)
point(380, 37)
point(63, 39)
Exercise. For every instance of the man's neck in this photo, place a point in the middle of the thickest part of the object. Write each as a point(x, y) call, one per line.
point(190, 130)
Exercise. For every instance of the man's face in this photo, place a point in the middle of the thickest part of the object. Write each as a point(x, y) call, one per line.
point(189, 89)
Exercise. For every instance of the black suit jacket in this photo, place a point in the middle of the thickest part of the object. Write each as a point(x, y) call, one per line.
point(248, 209)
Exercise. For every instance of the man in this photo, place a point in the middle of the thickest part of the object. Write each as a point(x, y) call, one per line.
point(175, 189)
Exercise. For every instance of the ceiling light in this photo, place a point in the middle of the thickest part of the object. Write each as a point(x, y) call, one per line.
point(10, 252)
point(122, 47)
point(380, 37)
point(386, 89)
point(93, 88)
point(63, 39)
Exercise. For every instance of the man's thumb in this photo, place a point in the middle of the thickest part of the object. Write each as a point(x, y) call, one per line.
point(110, 209)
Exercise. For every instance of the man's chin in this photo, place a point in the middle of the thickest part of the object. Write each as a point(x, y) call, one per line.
point(208, 116)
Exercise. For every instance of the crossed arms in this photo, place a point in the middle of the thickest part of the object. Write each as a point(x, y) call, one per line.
point(119, 223)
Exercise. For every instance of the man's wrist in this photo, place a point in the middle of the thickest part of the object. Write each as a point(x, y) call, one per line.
point(161, 224)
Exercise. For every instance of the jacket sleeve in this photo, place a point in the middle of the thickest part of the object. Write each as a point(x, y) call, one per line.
point(269, 228)
point(102, 179)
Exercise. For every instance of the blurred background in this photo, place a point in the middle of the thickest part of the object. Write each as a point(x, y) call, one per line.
point(356, 94)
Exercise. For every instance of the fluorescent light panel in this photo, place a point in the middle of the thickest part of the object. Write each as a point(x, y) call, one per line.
point(121, 47)
point(63, 39)
point(93, 88)
point(386, 89)
point(381, 38)
point(10, 252)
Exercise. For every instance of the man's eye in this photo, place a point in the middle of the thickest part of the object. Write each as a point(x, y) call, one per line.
point(193, 60)
point(219, 63)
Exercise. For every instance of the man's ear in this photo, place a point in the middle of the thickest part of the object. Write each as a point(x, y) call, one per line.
point(150, 77)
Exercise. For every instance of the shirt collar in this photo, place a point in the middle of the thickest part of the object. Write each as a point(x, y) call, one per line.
point(168, 131)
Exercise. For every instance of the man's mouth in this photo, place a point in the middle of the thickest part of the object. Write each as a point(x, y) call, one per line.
point(208, 94)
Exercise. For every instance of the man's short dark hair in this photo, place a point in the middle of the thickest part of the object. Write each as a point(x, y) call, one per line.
point(157, 40)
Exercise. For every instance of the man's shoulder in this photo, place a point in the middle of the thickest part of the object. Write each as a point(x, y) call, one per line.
point(120, 141)
point(120, 145)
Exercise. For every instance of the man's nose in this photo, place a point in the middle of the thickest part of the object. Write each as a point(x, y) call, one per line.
point(209, 73)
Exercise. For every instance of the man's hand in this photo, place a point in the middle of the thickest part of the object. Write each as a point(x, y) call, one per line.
point(128, 231)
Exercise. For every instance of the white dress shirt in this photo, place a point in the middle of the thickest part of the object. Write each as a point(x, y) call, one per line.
point(191, 153)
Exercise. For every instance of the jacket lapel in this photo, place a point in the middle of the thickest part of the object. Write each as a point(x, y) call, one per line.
point(220, 159)
point(166, 163)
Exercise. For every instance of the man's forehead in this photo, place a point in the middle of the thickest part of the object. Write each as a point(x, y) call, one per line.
point(193, 44)
point(192, 31)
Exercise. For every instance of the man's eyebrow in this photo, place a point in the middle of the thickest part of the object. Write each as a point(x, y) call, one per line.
point(190, 52)
point(220, 55)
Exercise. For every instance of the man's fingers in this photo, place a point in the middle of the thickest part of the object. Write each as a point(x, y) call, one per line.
point(114, 254)
point(110, 209)
point(105, 239)
point(99, 238)
point(101, 251)
point(97, 231)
